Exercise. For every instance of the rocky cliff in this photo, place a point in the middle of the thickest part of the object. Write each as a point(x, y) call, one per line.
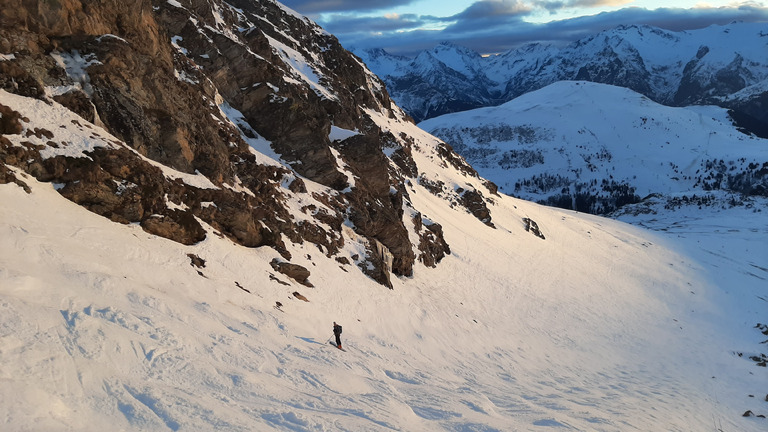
point(180, 104)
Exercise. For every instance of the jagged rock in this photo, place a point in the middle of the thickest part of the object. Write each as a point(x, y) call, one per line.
point(276, 279)
point(77, 101)
point(16, 79)
point(435, 187)
point(7, 176)
point(402, 157)
point(300, 297)
point(298, 186)
point(198, 262)
point(492, 187)
point(294, 271)
point(270, 104)
point(191, 85)
point(10, 121)
point(378, 263)
point(475, 203)
point(432, 244)
point(177, 225)
point(447, 154)
point(532, 227)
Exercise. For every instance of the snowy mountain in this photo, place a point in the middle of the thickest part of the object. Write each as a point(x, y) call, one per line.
point(706, 66)
point(595, 148)
point(194, 190)
point(449, 78)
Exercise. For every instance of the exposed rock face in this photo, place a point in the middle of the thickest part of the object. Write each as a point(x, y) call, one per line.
point(532, 227)
point(432, 245)
point(10, 123)
point(474, 202)
point(194, 85)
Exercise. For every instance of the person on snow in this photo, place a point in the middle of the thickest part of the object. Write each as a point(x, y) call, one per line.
point(337, 333)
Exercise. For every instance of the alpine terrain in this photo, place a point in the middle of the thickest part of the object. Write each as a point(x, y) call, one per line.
point(718, 65)
point(194, 191)
point(596, 148)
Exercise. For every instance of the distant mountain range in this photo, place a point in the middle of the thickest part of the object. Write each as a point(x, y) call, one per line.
point(721, 65)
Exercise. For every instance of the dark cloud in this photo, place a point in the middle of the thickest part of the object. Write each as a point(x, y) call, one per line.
point(492, 9)
point(349, 24)
point(311, 7)
point(490, 30)
point(485, 14)
point(556, 5)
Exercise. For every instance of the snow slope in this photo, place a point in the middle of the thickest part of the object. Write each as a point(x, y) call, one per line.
point(601, 326)
point(573, 136)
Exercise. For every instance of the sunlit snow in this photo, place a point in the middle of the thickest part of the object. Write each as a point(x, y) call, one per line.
point(602, 326)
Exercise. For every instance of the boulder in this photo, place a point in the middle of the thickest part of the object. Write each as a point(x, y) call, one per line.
point(294, 271)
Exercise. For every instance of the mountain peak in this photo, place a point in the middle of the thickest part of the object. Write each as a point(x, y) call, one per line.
point(659, 63)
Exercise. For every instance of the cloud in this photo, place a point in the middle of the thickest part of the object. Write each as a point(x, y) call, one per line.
point(350, 24)
point(311, 7)
point(488, 13)
point(497, 26)
point(556, 5)
point(494, 8)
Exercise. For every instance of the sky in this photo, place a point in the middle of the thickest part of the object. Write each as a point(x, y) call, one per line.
point(491, 26)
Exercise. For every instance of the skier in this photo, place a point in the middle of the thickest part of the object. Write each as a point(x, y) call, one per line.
point(337, 333)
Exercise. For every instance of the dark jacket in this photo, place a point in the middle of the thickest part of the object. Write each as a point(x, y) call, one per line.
point(336, 329)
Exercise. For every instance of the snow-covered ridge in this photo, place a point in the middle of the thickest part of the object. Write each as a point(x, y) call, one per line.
point(675, 68)
point(596, 147)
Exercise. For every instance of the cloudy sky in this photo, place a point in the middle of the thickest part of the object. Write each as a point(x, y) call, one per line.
point(491, 26)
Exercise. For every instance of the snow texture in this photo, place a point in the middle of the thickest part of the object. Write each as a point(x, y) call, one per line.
point(602, 326)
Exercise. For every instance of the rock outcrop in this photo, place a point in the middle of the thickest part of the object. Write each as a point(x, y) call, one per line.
point(204, 88)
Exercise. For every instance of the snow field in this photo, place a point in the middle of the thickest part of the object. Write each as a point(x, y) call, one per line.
point(106, 326)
